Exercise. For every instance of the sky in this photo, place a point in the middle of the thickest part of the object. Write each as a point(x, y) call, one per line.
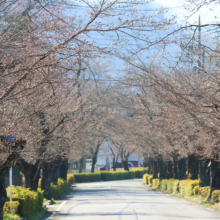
point(208, 14)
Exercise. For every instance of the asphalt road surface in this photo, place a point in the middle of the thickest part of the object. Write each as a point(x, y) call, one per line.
point(127, 200)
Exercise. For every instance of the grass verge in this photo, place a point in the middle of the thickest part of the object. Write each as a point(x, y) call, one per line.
point(38, 214)
point(196, 199)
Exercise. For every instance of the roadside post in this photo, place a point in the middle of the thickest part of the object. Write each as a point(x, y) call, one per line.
point(10, 182)
point(11, 138)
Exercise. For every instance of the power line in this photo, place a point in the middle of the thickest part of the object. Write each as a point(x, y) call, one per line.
point(153, 9)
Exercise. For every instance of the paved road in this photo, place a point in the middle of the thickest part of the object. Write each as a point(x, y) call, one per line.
point(128, 200)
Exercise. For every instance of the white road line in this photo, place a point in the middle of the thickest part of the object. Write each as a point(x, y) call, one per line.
point(61, 205)
point(58, 209)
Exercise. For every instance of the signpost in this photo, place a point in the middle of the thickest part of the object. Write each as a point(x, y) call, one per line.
point(10, 182)
point(11, 138)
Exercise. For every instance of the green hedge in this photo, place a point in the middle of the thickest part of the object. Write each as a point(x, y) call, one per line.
point(170, 185)
point(196, 190)
point(29, 201)
point(103, 176)
point(205, 191)
point(57, 191)
point(87, 177)
point(70, 179)
point(139, 172)
point(184, 187)
point(11, 207)
point(146, 178)
point(156, 182)
point(187, 186)
point(216, 196)
point(116, 175)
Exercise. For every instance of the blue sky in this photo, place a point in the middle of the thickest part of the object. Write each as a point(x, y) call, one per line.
point(209, 14)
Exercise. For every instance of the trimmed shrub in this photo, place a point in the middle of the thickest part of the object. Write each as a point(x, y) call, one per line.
point(170, 185)
point(104, 176)
point(145, 178)
point(70, 179)
point(116, 175)
point(87, 177)
point(9, 216)
point(40, 199)
point(196, 190)
point(11, 207)
point(150, 179)
point(164, 185)
point(29, 201)
point(187, 186)
point(216, 196)
point(176, 186)
point(139, 172)
point(205, 191)
point(156, 182)
point(57, 191)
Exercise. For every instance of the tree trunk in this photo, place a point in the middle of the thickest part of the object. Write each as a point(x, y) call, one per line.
point(30, 171)
point(64, 169)
point(182, 169)
point(114, 165)
point(175, 168)
point(214, 177)
point(155, 169)
point(204, 173)
point(125, 164)
point(151, 166)
point(50, 175)
point(94, 157)
point(162, 169)
point(192, 166)
point(169, 169)
point(81, 165)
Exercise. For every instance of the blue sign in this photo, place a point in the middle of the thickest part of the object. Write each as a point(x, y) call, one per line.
point(11, 138)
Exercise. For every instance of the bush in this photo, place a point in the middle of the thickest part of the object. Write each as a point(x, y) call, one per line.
point(170, 185)
point(156, 182)
point(139, 172)
point(150, 179)
point(70, 179)
point(116, 175)
point(216, 196)
point(57, 191)
point(205, 191)
point(196, 190)
point(29, 201)
point(9, 216)
point(104, 176)
point(164, 185)
point(176, 186)
point(187, 186)
point(11, 207)
point(145, 178)
point(87, 177)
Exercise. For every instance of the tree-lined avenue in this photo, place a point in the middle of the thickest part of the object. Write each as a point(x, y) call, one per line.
point(128, 200)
